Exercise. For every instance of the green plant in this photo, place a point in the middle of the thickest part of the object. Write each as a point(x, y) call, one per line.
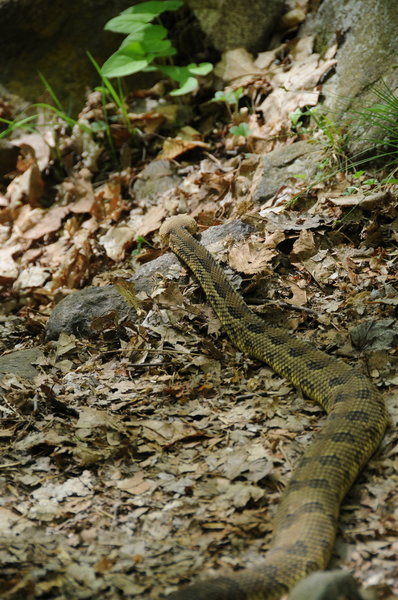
point(141, 242)
point(230, 98)
point(242, 129)
point(382, 151)
point(57, 107)
point(109, 91)
point(334, 138)
point(145, 47)
point(382, 116)
point(12, 125)
point(53, 115)
point(32, 123)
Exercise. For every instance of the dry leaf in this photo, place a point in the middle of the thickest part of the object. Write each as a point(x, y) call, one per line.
point(167, 434)
point(237, 66)
point(8, 267)
point(152, 220)
point(117, 239)
point(187, 139)
point(50, 222)
point(26, 187)
point(135, 485)
point(304, 246)
point(251, 257)
point(37, 143)
point(31, 277)
point(299, 297)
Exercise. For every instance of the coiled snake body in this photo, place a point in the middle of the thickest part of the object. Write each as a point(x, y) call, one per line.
point(305, 523)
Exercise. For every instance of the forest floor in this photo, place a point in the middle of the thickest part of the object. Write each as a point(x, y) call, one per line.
point(154, 452)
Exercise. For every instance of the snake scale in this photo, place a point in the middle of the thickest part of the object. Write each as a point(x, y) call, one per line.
point(305, 524)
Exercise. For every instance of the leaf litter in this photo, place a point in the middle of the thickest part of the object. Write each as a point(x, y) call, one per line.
point(155, 452)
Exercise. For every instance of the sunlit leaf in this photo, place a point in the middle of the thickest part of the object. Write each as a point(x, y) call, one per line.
point(145, 33)
point(241, 129)
point(150, 10)
point(119, 65)
point(201, 69)
point(190, 85)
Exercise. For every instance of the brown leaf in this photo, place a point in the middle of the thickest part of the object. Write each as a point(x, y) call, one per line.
point(251, 257)
point(167, 434)
point(187, 139)
point(152, 220)
point(8, 267)
point(135, 485)
point(27, 187)
point(304, 246)
point(51, 221)
point(237, 66)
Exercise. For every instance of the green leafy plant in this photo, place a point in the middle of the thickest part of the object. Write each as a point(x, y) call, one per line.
point(383, 117)
point(380, 155)
point(34, 122)
point(141, 243)
point(146, 48)
point(334, 138)
point(25, 123)
point(53, 116)
point(57, 107)
point(242, 129)
point(230, 98)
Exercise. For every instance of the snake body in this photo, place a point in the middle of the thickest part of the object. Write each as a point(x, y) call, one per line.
point(305, 524)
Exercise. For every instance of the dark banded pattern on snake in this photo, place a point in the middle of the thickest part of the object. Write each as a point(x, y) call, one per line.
point(305, 524)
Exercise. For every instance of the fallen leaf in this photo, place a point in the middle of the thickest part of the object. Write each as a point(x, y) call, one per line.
point(304, 246)
point(31, 277)
point(167, 434)
point(117, 239)
point(152, 220)
point(135, 485)
point(26, 187)
point(187, 139)
point(39, 146)
point(8, 267)
point(238, 67)
point(251, 257)
point(50, 222)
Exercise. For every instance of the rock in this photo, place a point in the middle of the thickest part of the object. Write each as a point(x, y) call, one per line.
point(366, 56)
point(276, 167)
point(155, 179)
point(234, 24)
point(327, 585)
point(76, 313)
point(21, 363)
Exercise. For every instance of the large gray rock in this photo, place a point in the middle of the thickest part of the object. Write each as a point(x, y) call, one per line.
point(21, 363)
point(235, 24)
point(367, 56)
point(78, 313)
point(154, 179)
point(327, 585)
point(274, 170)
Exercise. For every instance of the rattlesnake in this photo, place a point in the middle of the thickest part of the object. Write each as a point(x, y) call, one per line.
point(305, 524)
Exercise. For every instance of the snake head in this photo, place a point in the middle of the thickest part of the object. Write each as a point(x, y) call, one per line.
point(173, 223)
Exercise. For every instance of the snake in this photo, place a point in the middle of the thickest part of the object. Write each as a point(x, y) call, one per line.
point(306, 518)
